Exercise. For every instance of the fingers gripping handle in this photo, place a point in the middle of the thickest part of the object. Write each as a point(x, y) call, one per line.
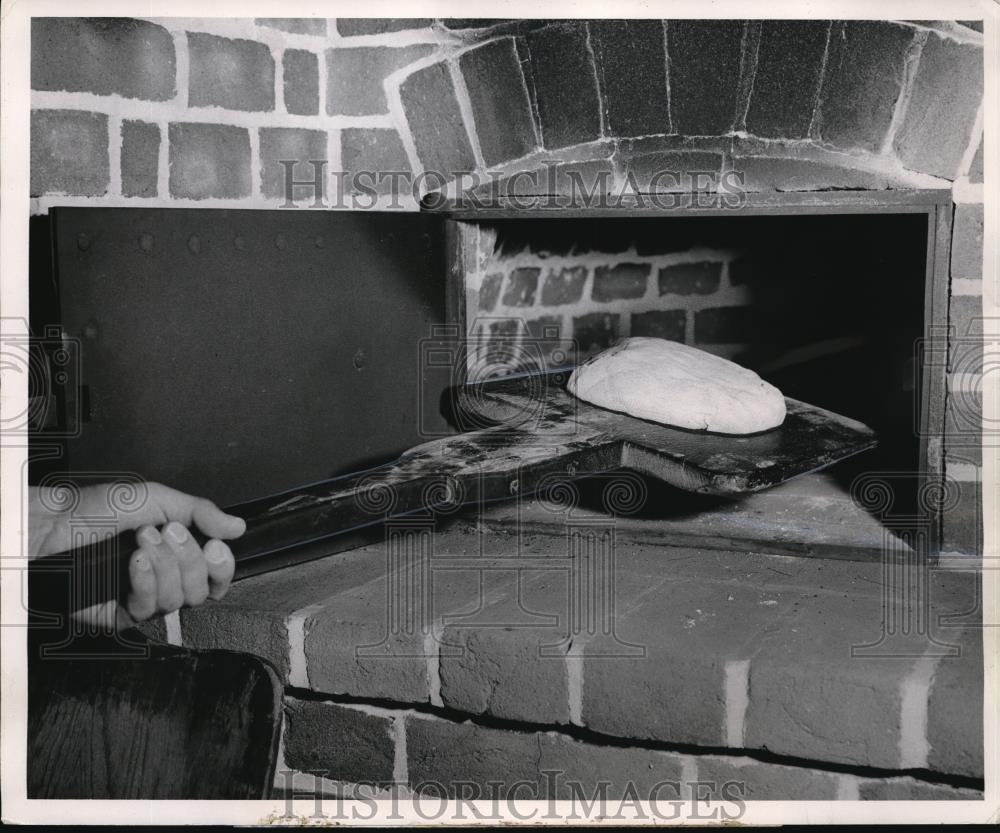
point(487, 465)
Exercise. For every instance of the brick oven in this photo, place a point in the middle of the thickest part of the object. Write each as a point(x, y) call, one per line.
point(820, 221)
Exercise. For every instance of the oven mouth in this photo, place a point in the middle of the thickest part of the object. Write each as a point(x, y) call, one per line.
point(829, 308)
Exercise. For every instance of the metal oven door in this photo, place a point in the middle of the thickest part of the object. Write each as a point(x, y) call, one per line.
point(235, 354)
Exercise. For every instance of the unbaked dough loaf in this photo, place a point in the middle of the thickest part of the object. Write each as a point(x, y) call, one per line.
point(663, 381)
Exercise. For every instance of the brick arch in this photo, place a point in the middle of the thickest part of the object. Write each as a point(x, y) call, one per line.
point(903, 94)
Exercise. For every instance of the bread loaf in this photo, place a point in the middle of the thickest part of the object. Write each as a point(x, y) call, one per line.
point(673, 384)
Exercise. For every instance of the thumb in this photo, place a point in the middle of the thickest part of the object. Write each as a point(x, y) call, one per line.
point(199, 512)
point(214, 523)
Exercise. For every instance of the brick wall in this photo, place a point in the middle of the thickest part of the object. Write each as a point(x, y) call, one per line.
point(174, 110)
point(335, 748)
point(749, 289)
point(202, 111)
point(687, 296)
point(713, 666)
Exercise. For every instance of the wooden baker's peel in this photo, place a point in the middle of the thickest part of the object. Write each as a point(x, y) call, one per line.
point(537, 436)
point(541, 434)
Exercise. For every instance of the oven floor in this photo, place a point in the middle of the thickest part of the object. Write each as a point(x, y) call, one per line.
point(812, 515)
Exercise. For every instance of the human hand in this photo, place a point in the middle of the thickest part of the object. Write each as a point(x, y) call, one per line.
point(168, 570)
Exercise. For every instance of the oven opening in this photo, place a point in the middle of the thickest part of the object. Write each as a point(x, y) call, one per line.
point(829, 308)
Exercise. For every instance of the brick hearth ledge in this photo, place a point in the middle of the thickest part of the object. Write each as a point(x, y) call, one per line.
point(719, 665)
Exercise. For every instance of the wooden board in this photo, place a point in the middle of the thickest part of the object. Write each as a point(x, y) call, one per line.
point(810, 438)
point(174, 723)
point(544, 435)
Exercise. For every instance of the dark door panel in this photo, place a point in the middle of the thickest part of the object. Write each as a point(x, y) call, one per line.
point(237, 353)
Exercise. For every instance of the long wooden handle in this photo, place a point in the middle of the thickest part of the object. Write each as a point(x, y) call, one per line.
point(491, 464)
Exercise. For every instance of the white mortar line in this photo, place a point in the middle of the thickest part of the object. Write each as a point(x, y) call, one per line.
point(322, 83)
point(173, 111)
point(566, 324)
point(886, 165)
point(332, 35)
point(465, 108)
point(822, 79)
point(664, 24)
point(966, 286)
point(400, 768)
point(963, 472)
point(689, 775)
point(373, 711)
point(240, 28)
point(529, 98)
point(256, 174)
point(696, 254)
point(244, 28)
point(725, 295)
point(737, 692)
point(726, 278)
point(965, 382)
point(295, 625)
point(172, 622)
point(956, 34)
point(847, 788)
point(689, 325)
point(163, 162)
point(405, 37)
point(278, 55)
point(334, 157)
point(183, 70)
point(749, 68)
point(279, 39)
point(625, 323)
point(966, 192)
point(574, 682)
point(536, 116)
point(602, 122)
point(432, 654)
point(911, 63)
point(397, 114)
point(914, 695)
point(115, 155)
point(970, 151)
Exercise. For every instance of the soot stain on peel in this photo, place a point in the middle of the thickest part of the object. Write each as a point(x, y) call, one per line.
point(723, 461)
